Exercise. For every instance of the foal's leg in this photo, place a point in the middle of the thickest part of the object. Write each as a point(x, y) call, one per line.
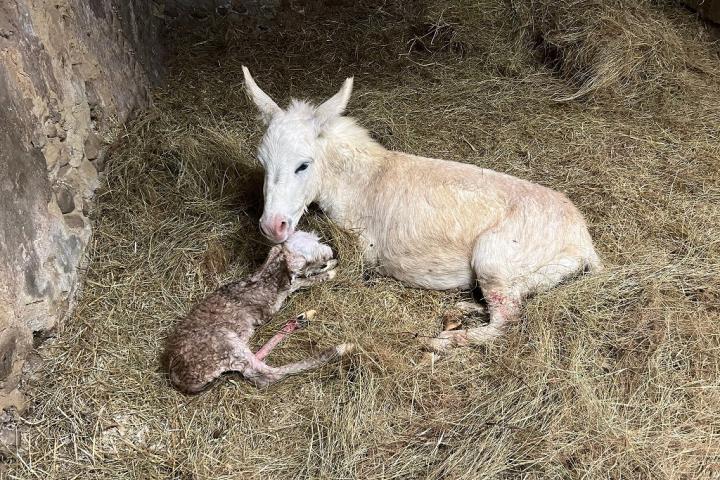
point(317, 268)
point(315, 274)
point(311, 275)
point(290, 326)
point(263, 375)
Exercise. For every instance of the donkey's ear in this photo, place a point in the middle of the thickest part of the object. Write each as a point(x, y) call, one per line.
point(335, 106)
point(265, 104)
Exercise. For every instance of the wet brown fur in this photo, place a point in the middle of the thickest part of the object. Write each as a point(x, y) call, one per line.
point(213, 338)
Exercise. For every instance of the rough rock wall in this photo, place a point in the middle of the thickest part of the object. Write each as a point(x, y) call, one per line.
point(200, 9)
point(708, 9)
point(70, 72)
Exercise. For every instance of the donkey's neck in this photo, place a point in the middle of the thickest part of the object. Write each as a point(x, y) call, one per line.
point(351, 160)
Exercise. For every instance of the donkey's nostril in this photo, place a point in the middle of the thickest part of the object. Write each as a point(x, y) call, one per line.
point(280, 228)
point(275, 228)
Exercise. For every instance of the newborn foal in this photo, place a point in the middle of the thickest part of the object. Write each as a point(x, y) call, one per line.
point(213, 338)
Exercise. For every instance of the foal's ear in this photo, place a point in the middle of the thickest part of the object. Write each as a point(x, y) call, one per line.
point(265, 104)
point(335, 106)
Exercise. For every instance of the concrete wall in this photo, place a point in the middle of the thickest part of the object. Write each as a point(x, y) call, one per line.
point(70, 72)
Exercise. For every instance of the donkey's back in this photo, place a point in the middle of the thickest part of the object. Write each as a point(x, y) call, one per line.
point(437, 221)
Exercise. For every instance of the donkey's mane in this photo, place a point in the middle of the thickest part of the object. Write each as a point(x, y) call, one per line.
point(300, 108)
point(342, 129)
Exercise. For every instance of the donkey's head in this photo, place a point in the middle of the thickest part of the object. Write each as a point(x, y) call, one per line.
point(290, 152)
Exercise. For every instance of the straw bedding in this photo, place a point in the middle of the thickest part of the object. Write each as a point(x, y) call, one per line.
point(612, 375)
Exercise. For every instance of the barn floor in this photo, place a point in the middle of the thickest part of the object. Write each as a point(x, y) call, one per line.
point(607, 376)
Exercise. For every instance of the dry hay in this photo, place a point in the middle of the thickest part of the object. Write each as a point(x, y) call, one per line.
point(608, 376)
point(628, 48)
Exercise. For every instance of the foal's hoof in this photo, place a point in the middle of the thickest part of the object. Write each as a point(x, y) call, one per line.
point(439, 344)
point(318, 268)
point(345, 349)
point(447, 340)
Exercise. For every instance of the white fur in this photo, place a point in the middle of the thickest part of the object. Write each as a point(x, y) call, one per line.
point(430, 223)
point(307, 245)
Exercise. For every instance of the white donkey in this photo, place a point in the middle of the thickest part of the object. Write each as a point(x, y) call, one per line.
point(430, 223)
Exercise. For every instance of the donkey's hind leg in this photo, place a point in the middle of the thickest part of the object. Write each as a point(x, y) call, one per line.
point(263, 375)
point(470, 310)
point(504, 309)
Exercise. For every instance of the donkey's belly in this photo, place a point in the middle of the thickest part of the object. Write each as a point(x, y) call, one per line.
point(431, 272)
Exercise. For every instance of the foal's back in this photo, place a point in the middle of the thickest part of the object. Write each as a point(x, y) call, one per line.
point(205, 343)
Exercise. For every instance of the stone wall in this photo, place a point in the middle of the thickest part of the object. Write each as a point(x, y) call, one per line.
point(71, 71)
point(707, 9)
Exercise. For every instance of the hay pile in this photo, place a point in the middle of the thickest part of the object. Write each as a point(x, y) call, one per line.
point(614, 375)
point(630, 49)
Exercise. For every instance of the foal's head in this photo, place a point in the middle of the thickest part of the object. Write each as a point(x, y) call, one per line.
point(289, 152)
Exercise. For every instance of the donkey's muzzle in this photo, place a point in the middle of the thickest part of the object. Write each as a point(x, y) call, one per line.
point(276, 229)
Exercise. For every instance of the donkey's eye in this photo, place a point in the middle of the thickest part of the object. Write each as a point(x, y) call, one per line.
point(302, 167)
